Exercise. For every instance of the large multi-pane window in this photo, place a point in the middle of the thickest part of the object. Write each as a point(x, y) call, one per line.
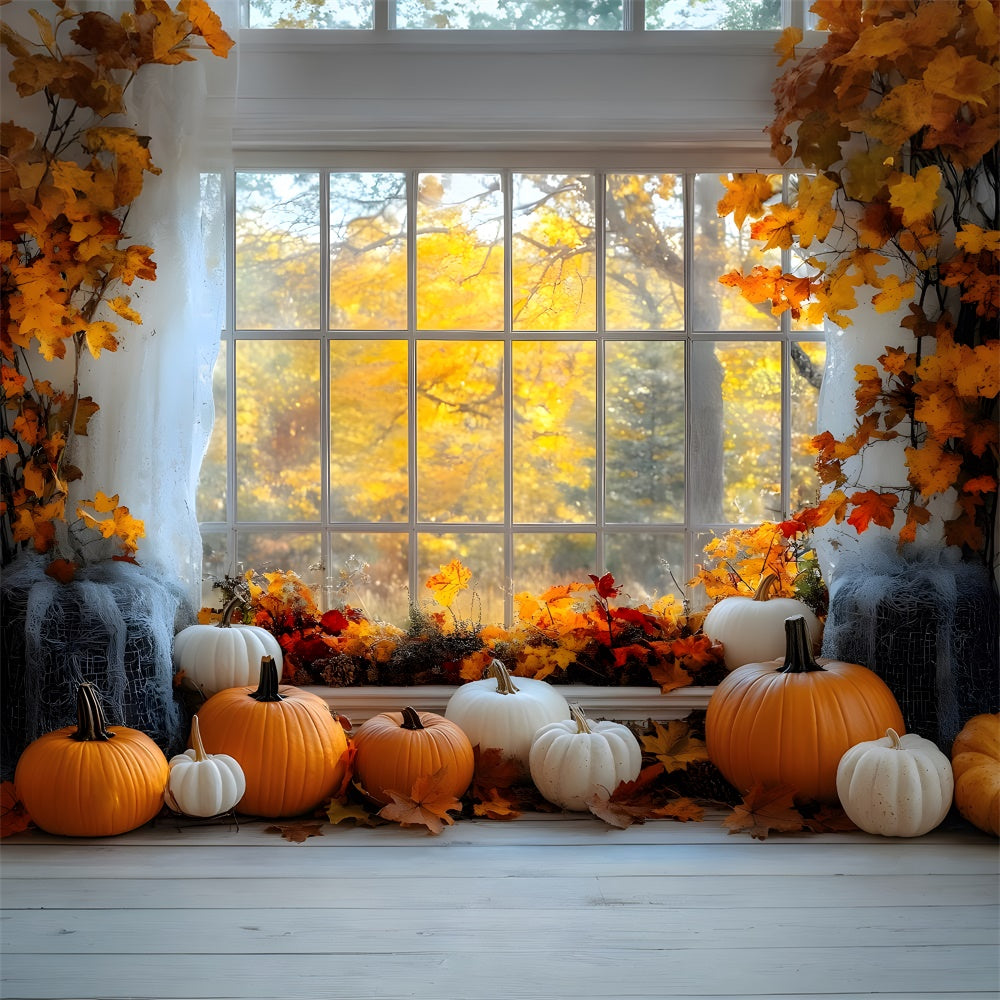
point(534, 371)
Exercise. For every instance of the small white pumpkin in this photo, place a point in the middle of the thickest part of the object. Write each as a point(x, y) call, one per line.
point(897, 786)
point(216, 657)
point(752, 629)
point(570, 761)
point(499, 713)
point(203, 784)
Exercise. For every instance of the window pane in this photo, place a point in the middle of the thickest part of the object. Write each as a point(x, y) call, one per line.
point(368, 252)
point(460, 431)
point(542, 560)
point(645, 566)
point(214, 565)
point(310, 14)
point(719, 247)
point(644, 437)
point(736, 15)
point(280, 551)
point(555, 454)
point(645, 252)
point(459, 252)
point(806, 376)
point(277, 430)
point(479, 552)
point(370, 571)
point(553, 252)
point(574, 15)
point(736, 431)
point(277, 251)
point(210, 502)
point(369, 453)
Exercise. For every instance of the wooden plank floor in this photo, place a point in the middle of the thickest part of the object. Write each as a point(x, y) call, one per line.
point(543, 907)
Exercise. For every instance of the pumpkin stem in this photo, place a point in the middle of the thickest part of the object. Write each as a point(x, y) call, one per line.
point(504, 683)
point(227, 612)
point(576, 714)
point(90, 724)
point(798, 649)
point(196, 743)
point(267, 688)
point(411, 719)
point(894, 743)
point(764, 588)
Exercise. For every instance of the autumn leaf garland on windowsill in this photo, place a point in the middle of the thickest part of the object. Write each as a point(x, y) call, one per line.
point(895, 121)
point(65, 258)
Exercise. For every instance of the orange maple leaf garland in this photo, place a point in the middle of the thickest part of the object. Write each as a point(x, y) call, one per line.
point(897, 115)
point(66, 195)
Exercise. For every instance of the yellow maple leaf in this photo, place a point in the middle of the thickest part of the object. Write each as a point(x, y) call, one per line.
point(446, 584)
point(893, 294)
point(778, 227)
point(917, 196)
point(121, 304)
point(932, 469)
point(785, 45)
point(975, 239)
point(963, 78)
point(100, 337)
point(746, 195)
point(815, 205)
point(674, 746)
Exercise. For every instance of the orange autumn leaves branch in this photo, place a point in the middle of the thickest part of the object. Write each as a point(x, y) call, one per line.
point(64, 252)
point(895, 120)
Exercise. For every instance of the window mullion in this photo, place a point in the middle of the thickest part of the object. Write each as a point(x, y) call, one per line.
point(507, 184)
point(690, 539)
point(229, 196)
point(600, 354)
point(411, 379)
point(326, 567)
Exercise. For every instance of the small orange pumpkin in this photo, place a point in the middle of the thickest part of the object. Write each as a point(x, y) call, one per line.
point(291, 748)
point(394, 749)
point(790, 722)
point(91, 780)
point(975, 760)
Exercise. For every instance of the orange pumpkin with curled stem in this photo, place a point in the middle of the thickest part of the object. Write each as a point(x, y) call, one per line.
point(291, 748)
point(91, 779)
point(975, 761)
point(790, 722)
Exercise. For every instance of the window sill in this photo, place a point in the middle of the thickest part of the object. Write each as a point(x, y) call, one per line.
point(624, 704)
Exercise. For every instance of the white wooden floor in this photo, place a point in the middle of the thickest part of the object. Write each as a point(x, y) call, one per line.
point(543, 907)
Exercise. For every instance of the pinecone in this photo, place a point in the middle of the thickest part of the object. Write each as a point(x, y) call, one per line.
point(339, 671)
point(703, 780)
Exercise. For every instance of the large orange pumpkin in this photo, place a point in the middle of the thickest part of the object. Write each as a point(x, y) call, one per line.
point(790, 722)
point(291, 748)
point(394, 749)
point(91, 779)
point(975, 761)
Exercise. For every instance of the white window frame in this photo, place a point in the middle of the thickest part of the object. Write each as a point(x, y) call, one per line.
point(371, 101)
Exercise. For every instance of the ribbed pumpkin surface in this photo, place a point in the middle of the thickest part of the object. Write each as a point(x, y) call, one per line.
point(92, 789)
point(290, 750)
point(391, 758)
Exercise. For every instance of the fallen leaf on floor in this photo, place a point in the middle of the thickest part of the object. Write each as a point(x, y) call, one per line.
point(297, 833)
point(426, 805)
point(765, 809)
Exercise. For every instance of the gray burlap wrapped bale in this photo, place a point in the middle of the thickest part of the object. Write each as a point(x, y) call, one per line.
point(928, 624)
point(113, 625)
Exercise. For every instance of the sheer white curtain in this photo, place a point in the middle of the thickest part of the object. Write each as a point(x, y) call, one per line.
point(155, 392)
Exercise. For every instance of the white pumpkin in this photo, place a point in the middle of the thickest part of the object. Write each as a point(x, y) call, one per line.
point(503, 714)
point(752, 629)
point(216, 657)
point(570, 761)
point(897, 786)
point(203, 784)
